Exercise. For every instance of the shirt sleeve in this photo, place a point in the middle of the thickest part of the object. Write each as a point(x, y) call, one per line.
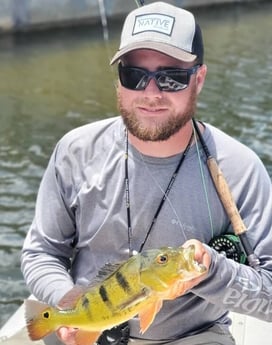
point(48, 247)
point(238, 287)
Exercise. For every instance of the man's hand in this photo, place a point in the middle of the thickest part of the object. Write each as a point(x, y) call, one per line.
point(202, 256)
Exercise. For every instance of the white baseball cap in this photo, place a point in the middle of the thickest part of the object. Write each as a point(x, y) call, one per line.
point(162, 27)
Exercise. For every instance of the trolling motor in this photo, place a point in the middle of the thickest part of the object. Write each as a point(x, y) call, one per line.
point(237, 246)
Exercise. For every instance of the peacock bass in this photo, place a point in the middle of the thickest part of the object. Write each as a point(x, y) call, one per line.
point(137, 286)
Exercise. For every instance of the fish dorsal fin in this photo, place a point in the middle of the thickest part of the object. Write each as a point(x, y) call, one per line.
point(70, 299)
point(108, 269)
point(105, 272)
point(86, 338)
point(147, 315)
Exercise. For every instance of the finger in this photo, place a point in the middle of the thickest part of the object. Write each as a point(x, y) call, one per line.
point(67, 335)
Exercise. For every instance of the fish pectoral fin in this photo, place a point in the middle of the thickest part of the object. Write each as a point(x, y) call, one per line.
point(86, 338)
point(147, 315)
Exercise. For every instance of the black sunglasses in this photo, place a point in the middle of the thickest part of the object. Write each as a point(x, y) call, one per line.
point(168, 79)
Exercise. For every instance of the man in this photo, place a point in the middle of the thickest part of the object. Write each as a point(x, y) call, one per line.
point(141, 181)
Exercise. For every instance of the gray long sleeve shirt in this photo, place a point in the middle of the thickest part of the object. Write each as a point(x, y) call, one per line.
point(80, 222)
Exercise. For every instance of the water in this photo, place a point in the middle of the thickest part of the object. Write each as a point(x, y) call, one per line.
point(53, 82)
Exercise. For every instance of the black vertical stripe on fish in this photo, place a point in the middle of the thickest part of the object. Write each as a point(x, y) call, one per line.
point(122, 281)
point(104, 295)
point(86, 306)
point(85, 302)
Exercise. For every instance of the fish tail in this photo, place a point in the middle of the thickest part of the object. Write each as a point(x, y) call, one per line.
point(39, 321)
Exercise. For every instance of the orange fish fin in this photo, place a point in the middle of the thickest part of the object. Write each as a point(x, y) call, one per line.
point(86, 338)
point(70, 299)
point(38, 320)
point(147, 315)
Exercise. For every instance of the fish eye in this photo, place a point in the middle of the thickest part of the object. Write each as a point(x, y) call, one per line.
point(46, 315)
point(162, 258)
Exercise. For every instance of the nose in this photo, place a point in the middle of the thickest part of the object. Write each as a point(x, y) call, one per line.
point(152, 88)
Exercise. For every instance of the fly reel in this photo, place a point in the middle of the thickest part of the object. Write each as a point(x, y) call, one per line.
point(230, 246)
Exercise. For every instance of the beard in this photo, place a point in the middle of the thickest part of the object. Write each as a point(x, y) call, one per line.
point(159, 130)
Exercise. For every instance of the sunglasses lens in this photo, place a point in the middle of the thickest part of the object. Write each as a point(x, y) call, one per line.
point(173, 80)
point(133, 78)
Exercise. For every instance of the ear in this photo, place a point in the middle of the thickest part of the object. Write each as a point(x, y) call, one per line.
point(200, 77)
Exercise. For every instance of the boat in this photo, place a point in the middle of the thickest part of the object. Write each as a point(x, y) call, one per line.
point(245, 329)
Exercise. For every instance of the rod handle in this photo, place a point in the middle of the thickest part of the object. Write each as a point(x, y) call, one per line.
point(226, 196)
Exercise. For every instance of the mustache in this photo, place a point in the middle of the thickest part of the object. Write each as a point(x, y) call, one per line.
point(152, 103)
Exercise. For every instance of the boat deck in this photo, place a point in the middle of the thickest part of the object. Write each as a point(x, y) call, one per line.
point(250, 331)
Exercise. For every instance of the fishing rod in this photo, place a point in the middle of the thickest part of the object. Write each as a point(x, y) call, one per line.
point(139, 3)
point(228, 242)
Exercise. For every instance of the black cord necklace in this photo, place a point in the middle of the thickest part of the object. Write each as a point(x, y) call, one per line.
point(165, 195)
